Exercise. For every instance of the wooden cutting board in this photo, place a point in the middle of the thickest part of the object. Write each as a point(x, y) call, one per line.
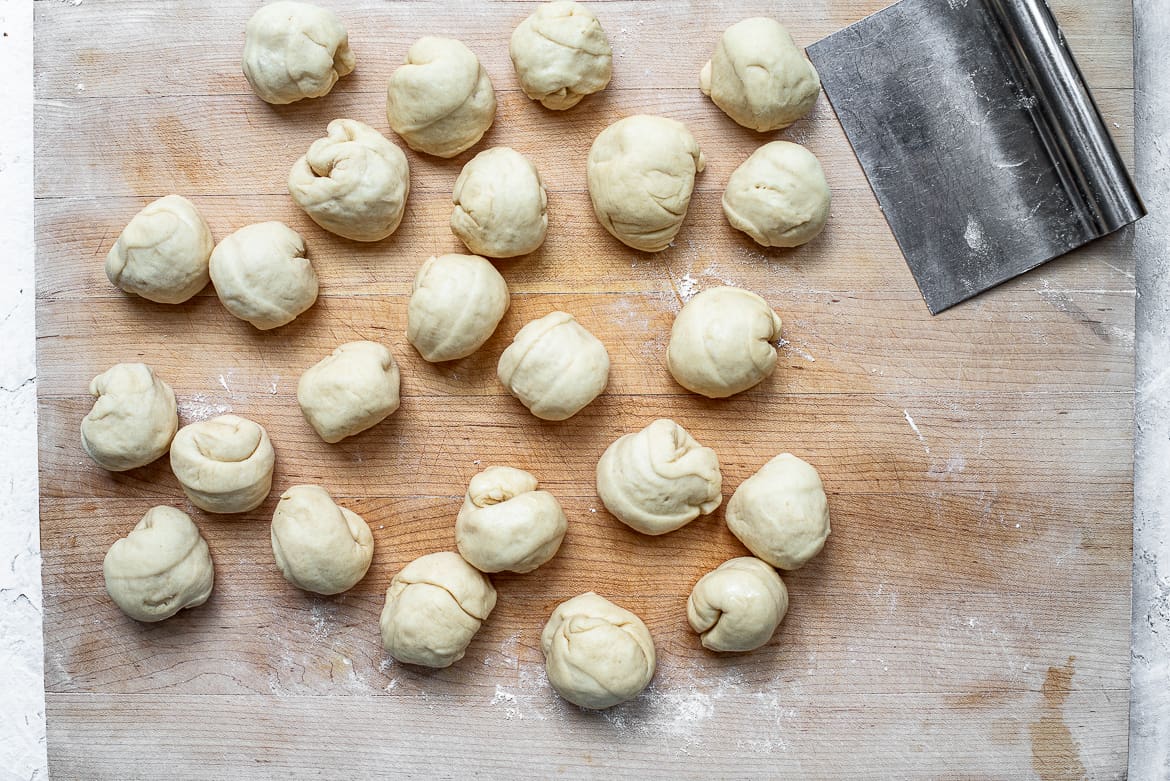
point(969, 617)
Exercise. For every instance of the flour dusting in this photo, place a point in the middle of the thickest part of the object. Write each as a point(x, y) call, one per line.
point(688, 286)
point(914, 428)
point(974, 237)
point(197, 407)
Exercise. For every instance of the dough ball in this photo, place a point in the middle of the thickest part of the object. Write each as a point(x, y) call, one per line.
point(759, 76)
point(506, 524)
point(779, 196)
point(350, 390)
point(500, 204)
point(133, 420)
point(294, 51)
point(737, 606)
point(596, 653)
point(722, 342)
point(224, 464)
point(554, 367)
point(441, 101)
point(780, 513)
point(434, 606)
point(353, 182)
point(162, 252)
point(319, 546)
point(261, 274)
point(659, 479)
point(455, 306)
point(641, 173)
point(161, 567)
point(561, 54)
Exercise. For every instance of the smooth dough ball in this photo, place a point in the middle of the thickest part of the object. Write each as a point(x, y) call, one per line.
point(596, 653)
point(722, 342)
point(500, 204)
point(224, 464)
point(561, 54)
point(554, 367)
point(353, 182)
point(778, 196)
point(261, 274)
point(737, 606)
point(162, 253)
point(350, 390)
point(659, 479)
point(455, 306)
point(759, 76)
point(160, 568)
point(506, 524)
point(319, 546)
point(434, 606)
point(133, 420)
point(294, 51)
point(641, 173)
point(441, 101)
point(780, 513)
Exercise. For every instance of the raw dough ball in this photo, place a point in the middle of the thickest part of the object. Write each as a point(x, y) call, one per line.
point(353, 182)
point(294, 51)
point(162, 252)
point(161, 567)
point(780, 513)
point(350, 390)
point(641, 174)
point(722, 342)
point(224, 464)
point(759, 76)
point(737, 606)
point(596, 653)
point(500, 204)
point(561, 54)
point(434, 606)
point(456, 304)
point(261, 274)
point(133, 420)
point(554, 366)
point(441, 101)
point(318, 545)
point(779, 196)
point(506, 524)
point(659, 479)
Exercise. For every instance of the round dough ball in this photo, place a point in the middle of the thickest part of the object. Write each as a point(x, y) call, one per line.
point(319, 546)
point(641, 173)
point(441, 101)
point(659, 479)
point(500, 204)
point(722, 342)
point(455, 306)
point(133, 420)
point(261, 274)
point(780, 513)
point(353, 182)
point(162, 252)
point(224, 464)
point(778, 196)
point(350, 390)
point(737, 606)
point(554, 367)
point(759, 76)
point(434, 606)
point(160, 568)
point(294, 51)
point(561, 54)
point(596, 653)
point(506, 524)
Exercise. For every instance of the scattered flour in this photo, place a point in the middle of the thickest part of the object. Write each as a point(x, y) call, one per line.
point(914, 428)
point(197, 407)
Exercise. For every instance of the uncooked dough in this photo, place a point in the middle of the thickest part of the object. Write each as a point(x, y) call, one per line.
point(162, 252)
point(737, 606)
point(501, 207)
point(554, 367)
point(224, 464)
point(561, 54)
point(780, 513)
point(294, 51)
point(350, 390)
point(261, 274)
point(506, 524)
point(133, 420)
point(455, 306)
point(778, 196)
point(319, 546)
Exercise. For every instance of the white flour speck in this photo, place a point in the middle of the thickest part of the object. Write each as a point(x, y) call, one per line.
point(223, 384)
point(687, 287)
point(914, 428)
point(974, 237)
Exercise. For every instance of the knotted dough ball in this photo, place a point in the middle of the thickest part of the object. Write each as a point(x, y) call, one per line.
point(641, 173)
point(554, 366)
point(224, 464)
point(778, 196)
point(160, 568)
point(319, 546)
point(501, 207)
point(294, 51)
point(506, 524)
point(738, 605)
point(455, 306)
point(133, 420)
point(261, 274)
point(781, 513)
point(561, 54)
point(353, 182)
point(350, 390)
point(162, 252)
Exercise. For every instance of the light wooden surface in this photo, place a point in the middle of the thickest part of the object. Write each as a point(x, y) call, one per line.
point(969, 617)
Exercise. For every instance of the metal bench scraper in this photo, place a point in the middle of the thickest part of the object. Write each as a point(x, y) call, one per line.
point(979, 137)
